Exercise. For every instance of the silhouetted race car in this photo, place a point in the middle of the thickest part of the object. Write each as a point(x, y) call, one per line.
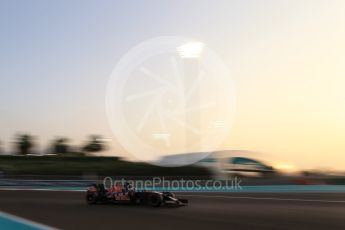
point(119, 194)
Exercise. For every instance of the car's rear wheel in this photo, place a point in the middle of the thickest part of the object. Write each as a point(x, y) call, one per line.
point(91, 198)
point(137, 200)
point(155, 200)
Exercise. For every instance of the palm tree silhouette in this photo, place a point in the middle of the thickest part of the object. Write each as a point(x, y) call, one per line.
point(60, 146)
point(94, 144)
point(25, 144)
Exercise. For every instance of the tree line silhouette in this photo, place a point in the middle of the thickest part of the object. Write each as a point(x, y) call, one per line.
point(25, 143)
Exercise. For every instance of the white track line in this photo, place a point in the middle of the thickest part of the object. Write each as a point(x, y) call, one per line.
point(267, 198)
point(26, 221)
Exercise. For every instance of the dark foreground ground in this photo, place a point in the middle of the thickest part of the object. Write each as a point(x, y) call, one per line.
point(67, 210)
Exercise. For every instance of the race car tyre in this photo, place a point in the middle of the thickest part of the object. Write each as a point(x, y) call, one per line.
point(91, 198)
point(155, 200)
point(137, 200)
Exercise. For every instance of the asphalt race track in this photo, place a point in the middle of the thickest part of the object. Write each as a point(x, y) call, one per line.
point(67, 210)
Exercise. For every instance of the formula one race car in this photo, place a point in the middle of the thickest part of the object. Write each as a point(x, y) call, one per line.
point(119, 194)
